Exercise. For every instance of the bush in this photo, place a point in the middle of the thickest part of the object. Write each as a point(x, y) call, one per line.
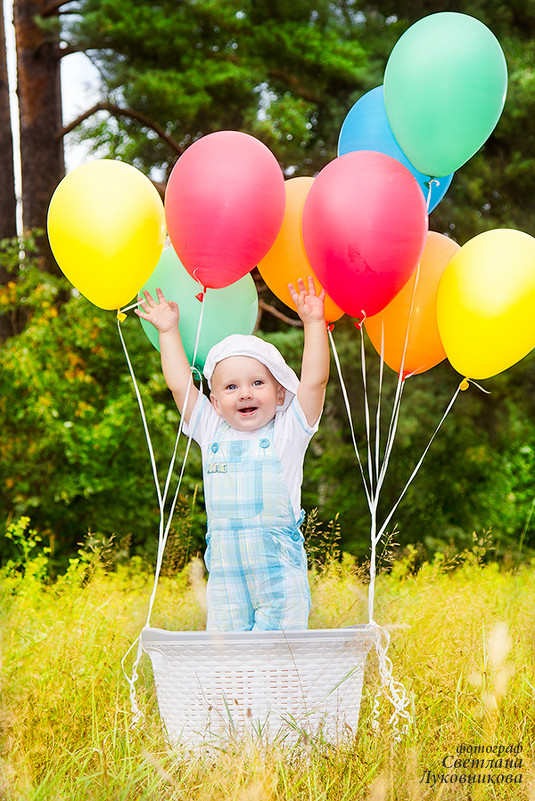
point(74, 456)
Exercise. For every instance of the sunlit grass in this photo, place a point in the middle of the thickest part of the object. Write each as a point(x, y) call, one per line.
point(463, 644)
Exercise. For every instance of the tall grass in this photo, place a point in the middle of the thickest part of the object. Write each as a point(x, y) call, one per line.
point(463, 644)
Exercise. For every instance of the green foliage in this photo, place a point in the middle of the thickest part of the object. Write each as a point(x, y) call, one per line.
point(73, 453)
point(477, 475)
point(285, 72)
point(74, 456)
point(30, 562)
point(322, 543)
point(288, 73)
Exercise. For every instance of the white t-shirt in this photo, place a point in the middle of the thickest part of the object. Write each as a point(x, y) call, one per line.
point(291, 435)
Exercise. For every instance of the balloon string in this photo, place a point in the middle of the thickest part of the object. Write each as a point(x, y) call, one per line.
point(379, 399)
point(139, 302)
point(349, 415)
point(418, 465)
point(374, 492)
point(164, 528)
point(481, 389)
point(366, 407)
point(143, 416)
point(392, 430)
point(394, 690)
point(409, 318)
point(163, 540)
point(129, 308)
point(399, 389)
point(429, 190)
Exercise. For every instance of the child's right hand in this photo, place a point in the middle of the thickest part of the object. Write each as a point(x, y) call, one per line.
point(163, 315)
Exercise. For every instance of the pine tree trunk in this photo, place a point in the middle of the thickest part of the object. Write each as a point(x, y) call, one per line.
point(39, 92)
point(8, 203)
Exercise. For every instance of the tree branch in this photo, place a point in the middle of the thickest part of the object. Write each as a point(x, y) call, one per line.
point(53, 7)
point(117, 111)
point(280, 315)
point(69, 50)
point(293, 82)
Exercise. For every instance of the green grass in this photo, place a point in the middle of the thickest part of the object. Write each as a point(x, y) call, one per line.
point(463, 644)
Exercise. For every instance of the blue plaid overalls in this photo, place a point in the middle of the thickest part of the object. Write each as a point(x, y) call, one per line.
point(255, 555)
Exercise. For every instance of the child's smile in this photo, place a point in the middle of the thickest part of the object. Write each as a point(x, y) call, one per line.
point(248, 411)
point(244, 393)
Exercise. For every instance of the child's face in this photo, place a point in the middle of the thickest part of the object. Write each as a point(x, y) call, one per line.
point(244, 393)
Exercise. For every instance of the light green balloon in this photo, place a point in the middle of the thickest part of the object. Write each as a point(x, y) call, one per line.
point(230, 310)
point(444, 89)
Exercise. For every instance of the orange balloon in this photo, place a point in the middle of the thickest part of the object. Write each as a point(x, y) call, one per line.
point(287, 261)
point(415, 309)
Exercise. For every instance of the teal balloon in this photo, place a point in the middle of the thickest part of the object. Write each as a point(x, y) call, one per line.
point(366, 127)
point(444, 90)
point(230, 310)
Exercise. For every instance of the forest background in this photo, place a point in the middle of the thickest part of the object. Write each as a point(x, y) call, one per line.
point(74, 459)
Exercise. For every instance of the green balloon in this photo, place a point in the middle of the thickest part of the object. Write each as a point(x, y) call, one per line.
point(444, 90)
point(230, 310)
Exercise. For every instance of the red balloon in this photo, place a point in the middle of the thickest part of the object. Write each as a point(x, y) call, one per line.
point(224, 205)
point(364, 229)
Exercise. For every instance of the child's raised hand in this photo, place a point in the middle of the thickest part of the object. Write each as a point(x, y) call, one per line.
point(163, 315)
point(309, 305)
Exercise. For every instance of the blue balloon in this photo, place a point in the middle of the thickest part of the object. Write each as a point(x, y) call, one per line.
point(366, 127)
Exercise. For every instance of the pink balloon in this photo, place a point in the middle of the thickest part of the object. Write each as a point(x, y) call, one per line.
point(224, 206)
point(364, 229)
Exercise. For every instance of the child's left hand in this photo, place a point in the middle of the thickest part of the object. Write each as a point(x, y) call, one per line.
point(309, 305)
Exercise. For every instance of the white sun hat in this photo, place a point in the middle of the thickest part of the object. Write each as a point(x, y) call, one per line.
point(256, 348)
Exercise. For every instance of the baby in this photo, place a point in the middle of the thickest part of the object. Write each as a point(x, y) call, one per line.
point(253, 434)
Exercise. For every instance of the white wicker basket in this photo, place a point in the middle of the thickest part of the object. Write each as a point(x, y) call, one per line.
point(214, 687)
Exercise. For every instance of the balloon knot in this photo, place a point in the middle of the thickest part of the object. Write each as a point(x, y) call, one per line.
point(200, 296)
point(360, 322)
point(121, 316)
point(463, 386)
point(330, 326)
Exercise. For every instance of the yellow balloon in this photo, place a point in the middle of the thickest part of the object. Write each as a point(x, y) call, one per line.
point(106, 226)
point(486, 303)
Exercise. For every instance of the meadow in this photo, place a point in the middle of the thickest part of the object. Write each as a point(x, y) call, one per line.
point(462, 642)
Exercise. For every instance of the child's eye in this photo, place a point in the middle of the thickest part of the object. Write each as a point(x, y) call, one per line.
point(258, 383)
point(231, 386)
